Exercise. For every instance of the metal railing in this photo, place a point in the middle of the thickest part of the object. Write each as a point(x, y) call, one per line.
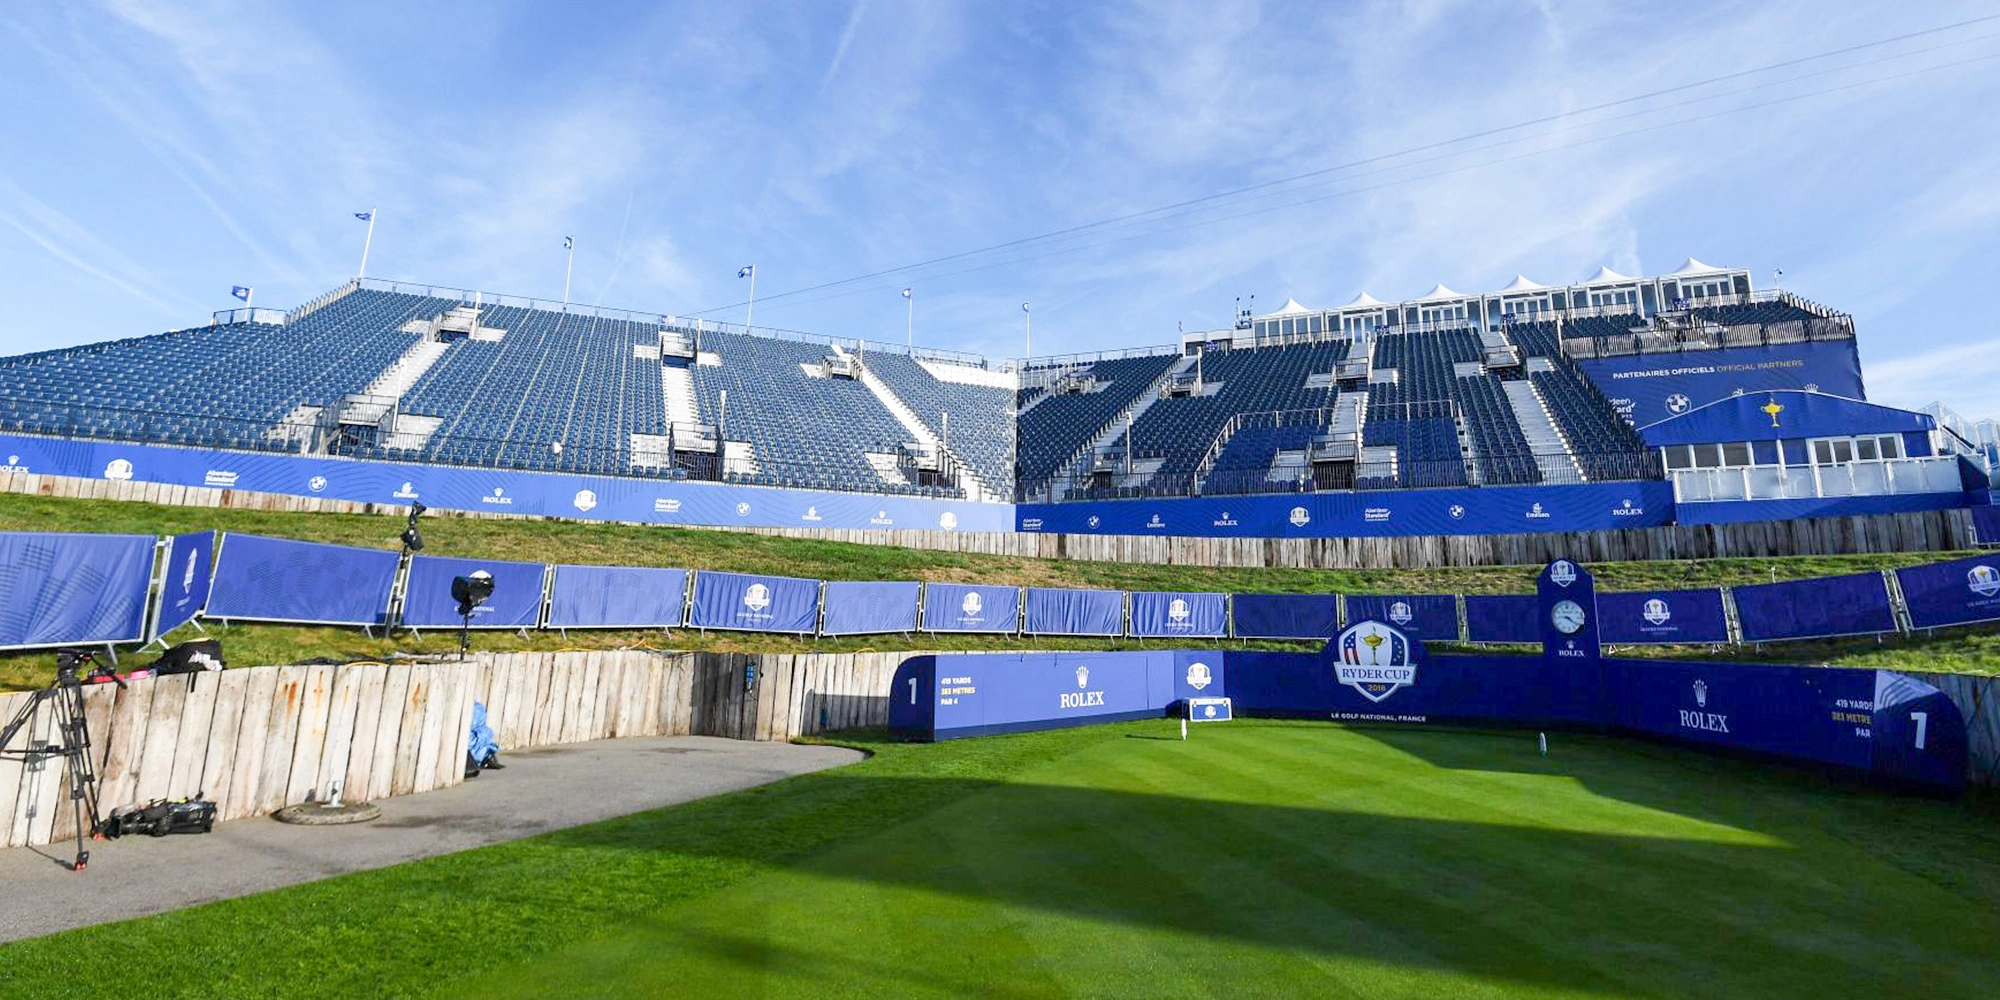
point(1516, 469)
point(1881, 477)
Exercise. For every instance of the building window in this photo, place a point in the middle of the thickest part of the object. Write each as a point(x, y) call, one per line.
point(1736, 453)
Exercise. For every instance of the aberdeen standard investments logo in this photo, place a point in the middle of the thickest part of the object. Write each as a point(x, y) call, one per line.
point(1374, 660)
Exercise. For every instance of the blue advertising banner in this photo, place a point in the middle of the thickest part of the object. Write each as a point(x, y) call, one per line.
point(1485, 510)
point(1056, 611)
point(617, 597)
point(1733, 511)
point(1785, 415)
point(1431, 617)
point(611, 498)
point(1649, 387)
point(750, 603)
point(1663, 616)
point(868, 608)
point(1286, 616)
point(1821, 715)
point(958, 607)
point(1179, 615)
point(980, 694)
point(60, 589)
point(1952, 593)
point(1855, 604)
point(306, 583)
point(190, 561)
point(1918, 734)
point(516, 600)
point(1502, 618)
point(1986, 523)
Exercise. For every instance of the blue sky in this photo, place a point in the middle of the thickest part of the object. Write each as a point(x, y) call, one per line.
point(159, 153)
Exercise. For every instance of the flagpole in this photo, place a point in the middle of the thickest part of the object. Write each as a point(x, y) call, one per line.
point(366, 242)
point(751, 312)
point(570, 267)
point(1031, 331)
point(910, 321)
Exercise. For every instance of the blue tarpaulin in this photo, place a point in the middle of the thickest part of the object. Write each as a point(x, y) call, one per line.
point(1286, 616)
point(190, 562)
point(516, 600)
point(1855, 604)
point(1057, 611)
point(958, 607)
point(865, 608)
point(480, 742)
point(58, 588)
point(617, 597)
point(1431, 617)
point(281, 580)
point(1503, 618)
point(1662, 616)
point(1952, 593)
point(752, 603)
point(1178, 615)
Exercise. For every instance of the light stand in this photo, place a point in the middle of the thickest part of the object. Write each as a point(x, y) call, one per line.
point(470, 592)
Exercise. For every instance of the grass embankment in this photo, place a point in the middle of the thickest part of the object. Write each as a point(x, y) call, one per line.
point(630, 545)
point(1259, 859)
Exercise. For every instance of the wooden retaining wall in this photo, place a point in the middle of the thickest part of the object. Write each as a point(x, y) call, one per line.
point(1924, 531)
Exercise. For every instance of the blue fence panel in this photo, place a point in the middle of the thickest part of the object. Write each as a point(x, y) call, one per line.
point(1430, 617)
point(516, 600)
point(190, 570)
point(308, 583)
point(1662, 616)
point(1503, 618)
point(1286, 616)
point(617, 597)
point(58, 588)
point(958, 607)
point(1986, 524)
point(1178, 615)
point(750, 603)
point(1057, 611)
point(1952, 593)
point(868, 608)
point(1855, 604)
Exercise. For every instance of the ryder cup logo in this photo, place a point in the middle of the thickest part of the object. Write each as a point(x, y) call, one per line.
point(585, 500)
point(316, 483)
point(1982, 580)
point(1374, 660)
point(1657, 612)
point(757, 598)
point(1399, 613)
point(187, 577)
point(1562, 572)
point(1677, 403)
point(948, 521)
point(1299, 517)
point(971, 606)
point(1177, 612)
point(1700, 694)
point(118, 469)
point(1198, 676)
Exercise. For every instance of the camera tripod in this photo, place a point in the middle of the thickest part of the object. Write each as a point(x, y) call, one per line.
point(69, 741)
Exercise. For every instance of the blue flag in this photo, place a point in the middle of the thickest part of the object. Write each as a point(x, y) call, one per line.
point(365, 216)
point(569, 243)
point(746, 270)
point(240, 291)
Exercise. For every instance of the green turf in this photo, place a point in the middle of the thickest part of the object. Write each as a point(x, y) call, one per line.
point(1261, 859)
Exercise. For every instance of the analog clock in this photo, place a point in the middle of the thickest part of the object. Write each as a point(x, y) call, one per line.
point(1567, 616)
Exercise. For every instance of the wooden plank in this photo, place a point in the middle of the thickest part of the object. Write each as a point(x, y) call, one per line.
point(606, 688)
point(428, 729)
point(368, 683)
point(499, 690)
point(197, 721)
point(389, 730)
point(760, 724)
point(45, 786)
point(555, 701)
point(97, 703)
point(533, 683)
point(338, 748)
point(778, 698)
point(309, 745)
point(410, 735)
point(129, 716)
point(584, 719)
point(451, 751)
point(280, 737)
point(237, 789)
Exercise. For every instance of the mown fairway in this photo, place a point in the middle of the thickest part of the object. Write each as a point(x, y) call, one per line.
point(1261, 859)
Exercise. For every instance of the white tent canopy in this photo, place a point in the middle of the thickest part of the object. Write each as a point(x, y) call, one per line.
point(1693, 266)
point(1605, 275)
point(1522, 284)
point(1438, 291)
point(1290, 308)
point(1364, 300)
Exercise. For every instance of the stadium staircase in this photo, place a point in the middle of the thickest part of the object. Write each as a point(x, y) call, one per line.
point(1546, 443)
point(1062, 429)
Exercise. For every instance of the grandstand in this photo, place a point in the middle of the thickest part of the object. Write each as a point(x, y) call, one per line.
point(1448, 390)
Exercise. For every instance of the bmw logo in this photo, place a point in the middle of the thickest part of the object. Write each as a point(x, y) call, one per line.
point(316, 483)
